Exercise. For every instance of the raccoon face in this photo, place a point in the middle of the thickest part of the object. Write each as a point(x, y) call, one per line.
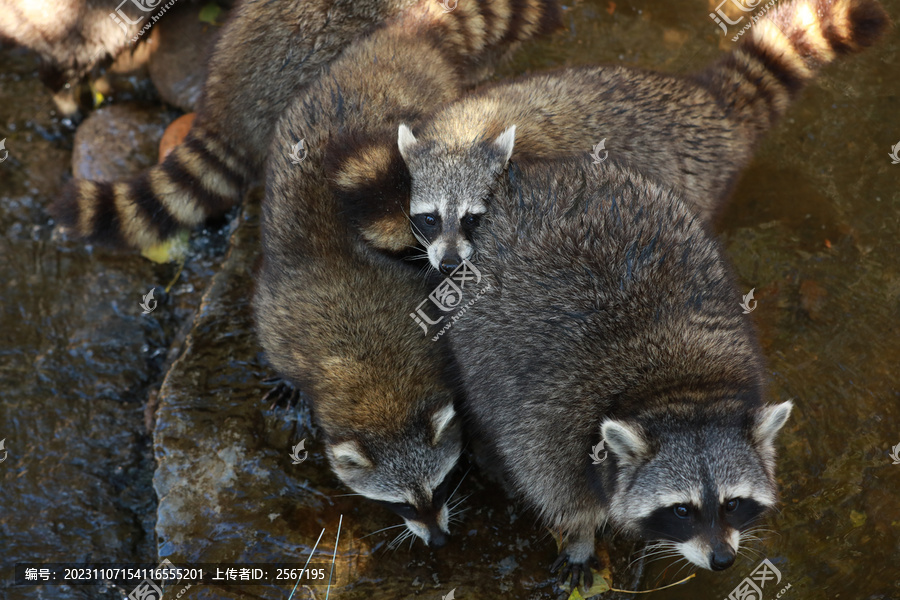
point(695, 485)
point(451, 190)
point(410, 476)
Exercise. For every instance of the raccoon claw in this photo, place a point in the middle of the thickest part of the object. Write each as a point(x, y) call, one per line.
point(574, 571)
point(283, 394)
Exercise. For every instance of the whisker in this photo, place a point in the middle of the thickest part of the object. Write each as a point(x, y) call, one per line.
point(384, 529)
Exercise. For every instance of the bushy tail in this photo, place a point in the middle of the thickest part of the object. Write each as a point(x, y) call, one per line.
point(201, 178)
point(480, 31)
point(785, 50)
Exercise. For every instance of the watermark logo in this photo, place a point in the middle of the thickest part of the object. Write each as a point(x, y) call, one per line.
point(895, 151)
point(147, 590)
point(148, 298)
point(595, 453)
point(746, 6)
point(746, 303)
point(145, 6)
point(295, 452)
point(6, 152)
point(448, 296)
point(5, 453)
point(751, 588)
point(895, 455)
point(595, 154)
point(449, 6)
point(298, 152)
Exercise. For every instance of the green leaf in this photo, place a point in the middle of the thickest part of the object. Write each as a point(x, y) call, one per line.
point(210, 12)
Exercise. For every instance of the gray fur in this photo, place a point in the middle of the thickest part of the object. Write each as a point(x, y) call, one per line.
point(611, 312)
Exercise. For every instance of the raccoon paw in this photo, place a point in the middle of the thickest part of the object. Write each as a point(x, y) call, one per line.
point(282, 394)
point(574, 570)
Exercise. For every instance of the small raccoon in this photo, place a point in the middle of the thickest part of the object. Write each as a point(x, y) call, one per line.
point(332, 314)
point(641, 344)
point(266, 54)
point(696, 132)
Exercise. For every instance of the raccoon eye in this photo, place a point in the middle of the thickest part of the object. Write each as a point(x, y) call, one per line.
point(682, 511)
point(403, 510)
point(439, 495)
point(430, 220)
point(732, 505)
point(472, 220)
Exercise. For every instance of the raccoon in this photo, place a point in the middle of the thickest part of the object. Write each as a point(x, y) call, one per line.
point(331, 313)
point(641, 345)
point(696, 132)
point(265, 56)
point(73, 36)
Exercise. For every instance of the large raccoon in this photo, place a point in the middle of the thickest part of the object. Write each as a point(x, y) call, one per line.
point(696, 132)
point(332, 314)
point(266, 54)
point(607, 312)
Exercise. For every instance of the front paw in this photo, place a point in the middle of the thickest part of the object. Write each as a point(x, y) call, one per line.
point(573, 568)
point(282, 394)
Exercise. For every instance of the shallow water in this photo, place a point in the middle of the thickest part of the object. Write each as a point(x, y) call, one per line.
point(91, 477)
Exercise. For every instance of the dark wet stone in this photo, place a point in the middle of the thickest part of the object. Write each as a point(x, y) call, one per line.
point(117, 141)
point(179, 43)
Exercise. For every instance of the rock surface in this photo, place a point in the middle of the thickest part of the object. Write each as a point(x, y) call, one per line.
point(117, 141)
point(179, 44)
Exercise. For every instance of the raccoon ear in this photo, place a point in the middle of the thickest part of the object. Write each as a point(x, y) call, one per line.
point(504, 144)
point(406, 141)
point(439, 422)
point(624, 440)
point(350, 455)
point(770, 420)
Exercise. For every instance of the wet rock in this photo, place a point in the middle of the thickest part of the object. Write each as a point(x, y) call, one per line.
point(118, 141)
point(813, 298)
point(179, 44)
point(228, 491)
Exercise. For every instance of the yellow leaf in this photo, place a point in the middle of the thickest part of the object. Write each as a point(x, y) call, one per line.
point(857, 518)
point(172, 250)
point(602, 581)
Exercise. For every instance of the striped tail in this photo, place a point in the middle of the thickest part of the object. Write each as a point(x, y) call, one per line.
point(785, 50)
point(201, 178)
point(481, 31)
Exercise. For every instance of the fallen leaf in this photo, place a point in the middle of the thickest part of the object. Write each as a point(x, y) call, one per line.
point(175, 134)
point(857, 518)
point(611, 7)
point(172, 250)
point(602, 581)
point(209, 13)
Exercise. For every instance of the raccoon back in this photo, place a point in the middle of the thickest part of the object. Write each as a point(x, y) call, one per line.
point(607, 295)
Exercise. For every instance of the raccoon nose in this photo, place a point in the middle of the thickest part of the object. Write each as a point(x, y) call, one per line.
point(436, 538)
point(721, 558)
point(449, 263)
